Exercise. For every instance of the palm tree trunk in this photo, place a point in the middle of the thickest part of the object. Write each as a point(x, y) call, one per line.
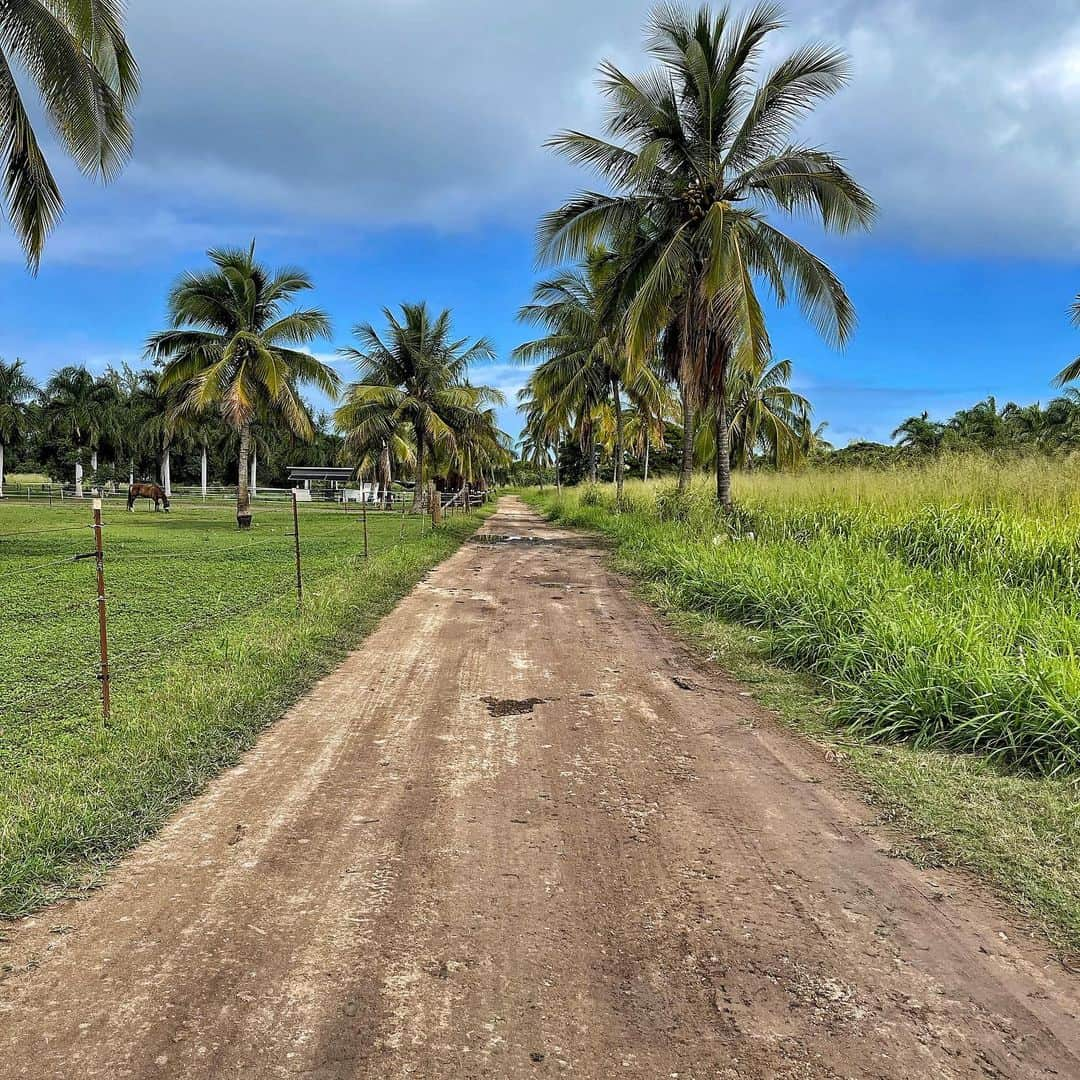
point(93, 462)
point(166, 471)
point(243, 495)
point(203, 472)
point(648, 443)
point(619, 454)
point(686, 468)
point(1, 470)
point(78, 474)
point(558, 478)
point(418, 494)
point(254, 470)
point(723, 455)
point(385, 476)
point(592, 455)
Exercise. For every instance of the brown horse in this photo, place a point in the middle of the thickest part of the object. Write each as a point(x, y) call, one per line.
point(148, 491)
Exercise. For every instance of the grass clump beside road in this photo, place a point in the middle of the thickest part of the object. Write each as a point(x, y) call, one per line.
point(923, 622)
point(208, 649)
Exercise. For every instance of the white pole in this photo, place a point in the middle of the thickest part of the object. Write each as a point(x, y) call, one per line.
point(204, 472)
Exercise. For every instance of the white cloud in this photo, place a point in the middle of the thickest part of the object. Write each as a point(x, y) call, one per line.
point(961, 118)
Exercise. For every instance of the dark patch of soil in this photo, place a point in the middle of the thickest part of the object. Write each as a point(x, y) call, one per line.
point(512, 706)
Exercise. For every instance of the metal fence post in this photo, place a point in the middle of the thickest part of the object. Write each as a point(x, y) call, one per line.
point(296, 539)
point(103, 631)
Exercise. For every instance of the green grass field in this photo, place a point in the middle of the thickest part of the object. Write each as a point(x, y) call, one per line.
point(207, 646)
point(940, 605)
point(929, 621)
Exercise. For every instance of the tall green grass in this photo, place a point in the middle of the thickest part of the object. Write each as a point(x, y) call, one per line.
point(939, 605)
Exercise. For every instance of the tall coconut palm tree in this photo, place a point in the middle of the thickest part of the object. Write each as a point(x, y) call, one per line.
point(696, 160)
point(74, 54)
point(480, 447)
point(766, 415)
point(586, 363)
point(17, 394)
point(79, 409)
point(230, 348)
point(377, 442)
point(415, 374)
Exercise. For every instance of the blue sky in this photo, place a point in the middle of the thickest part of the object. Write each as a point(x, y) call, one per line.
point(393, 149)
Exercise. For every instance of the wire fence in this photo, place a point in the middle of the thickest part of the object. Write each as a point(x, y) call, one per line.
point(329, 495)
point(164, 580)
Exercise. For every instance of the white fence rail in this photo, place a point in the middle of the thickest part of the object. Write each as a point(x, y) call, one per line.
point(217, 494)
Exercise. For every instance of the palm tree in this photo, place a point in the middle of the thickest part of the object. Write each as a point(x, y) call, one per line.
point(376, 441)
point(586, 363)
point(541, 434)
point(1063, 417)
point(17, 393)
point(480, 447)
point(767, 415)
point(696, 159)
point(1071, 371)
point(654, 405)
point(130, 394)
point(813, 438)
point(1028, 425)
point(534, 450)
point(982, 426)
point(416, 375)
point(75, 55)
point(918, 433)
point(81, 410)
point(163, 425)
point(229, 348)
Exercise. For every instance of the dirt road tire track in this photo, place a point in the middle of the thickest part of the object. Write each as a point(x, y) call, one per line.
point(420, 872)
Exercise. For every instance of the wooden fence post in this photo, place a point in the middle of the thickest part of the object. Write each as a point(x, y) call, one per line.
point(296, 538)
point(103, 630)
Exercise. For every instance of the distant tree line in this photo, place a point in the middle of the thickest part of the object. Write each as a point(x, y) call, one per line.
point(221, 401)
point(120, 426)
point(984, 427)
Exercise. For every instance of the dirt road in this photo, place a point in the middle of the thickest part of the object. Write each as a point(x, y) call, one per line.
point(520, 833)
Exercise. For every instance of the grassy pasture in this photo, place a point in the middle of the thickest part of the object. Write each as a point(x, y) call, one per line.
point(207, 646)
point(924, 622)
point(22, 479)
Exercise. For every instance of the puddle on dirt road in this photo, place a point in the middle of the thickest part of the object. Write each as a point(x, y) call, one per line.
point(512, 706)
point(506, 538)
